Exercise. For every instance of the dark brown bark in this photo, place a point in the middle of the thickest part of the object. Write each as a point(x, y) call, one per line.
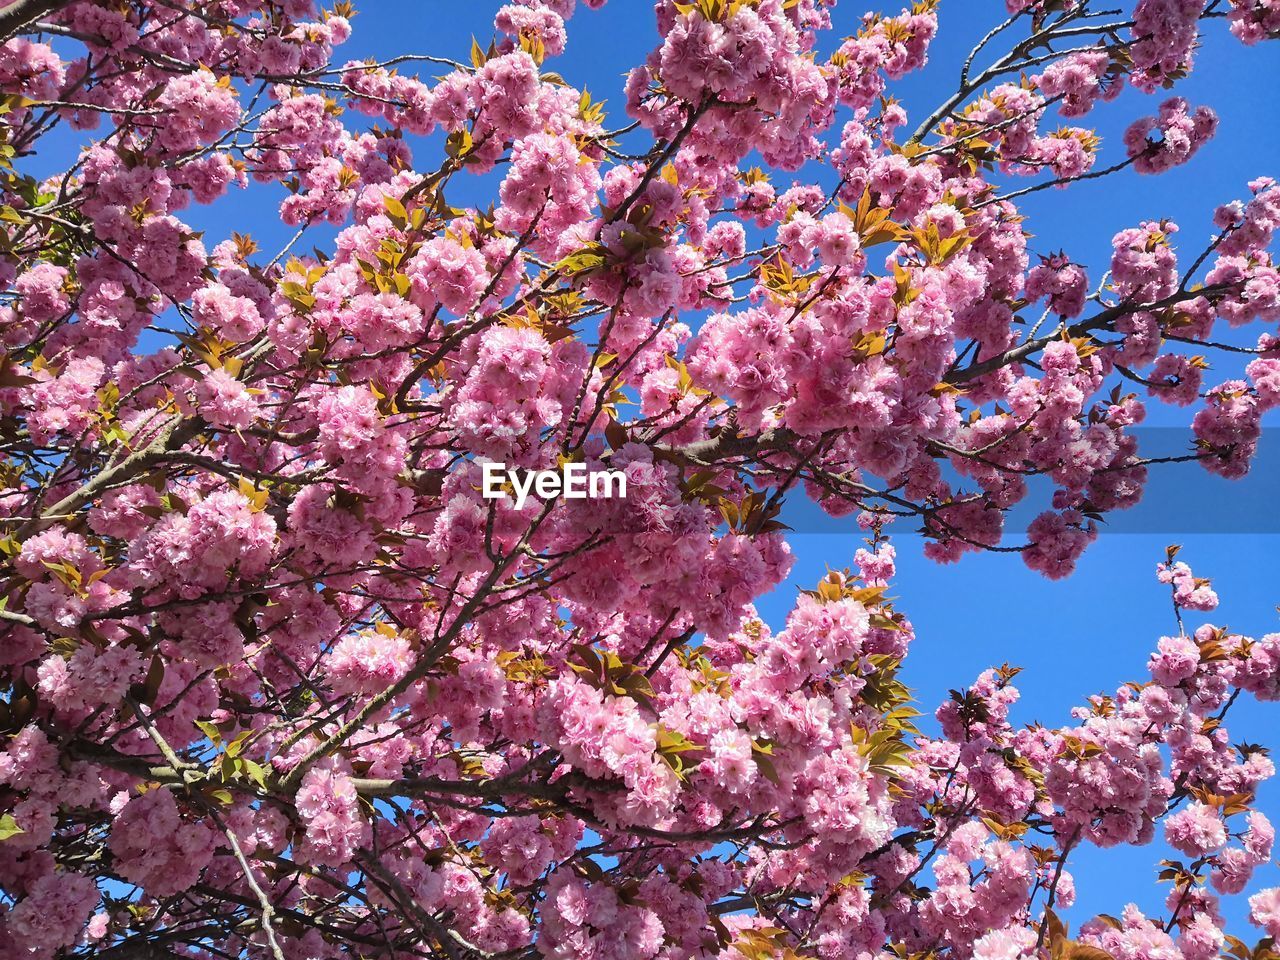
point(16, 16)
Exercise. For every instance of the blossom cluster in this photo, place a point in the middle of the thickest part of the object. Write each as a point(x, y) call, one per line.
point(278, 681)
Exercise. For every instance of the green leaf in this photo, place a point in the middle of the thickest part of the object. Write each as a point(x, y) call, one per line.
point(458, 144)
point(257, 773)
point(9, 827)
point(396, 210)
point(236, 745)
point(590, 257)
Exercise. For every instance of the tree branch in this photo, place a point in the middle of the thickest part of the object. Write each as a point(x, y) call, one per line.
point(21, 14)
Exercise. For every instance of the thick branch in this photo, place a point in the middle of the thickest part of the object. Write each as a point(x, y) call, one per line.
point(1098, 322)
point(16, 16)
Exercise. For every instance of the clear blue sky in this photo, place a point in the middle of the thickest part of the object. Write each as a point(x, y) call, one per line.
point(1083, 635)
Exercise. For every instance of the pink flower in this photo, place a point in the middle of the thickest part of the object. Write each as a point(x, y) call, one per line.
point(219, 538)
point(1181, 134)
point(157, 848)
point(1264, 910)
point(1064, 284)
point(237, 318)
point(1013, 942)
point(369, 662)
point(1077, 81)
point(43, 292)
point(837, 242)
point(1259, 839)
point(1195, 830)
point(225, 401)
point(330, 810)
point(1177, 660)
point(1254, 20)
point(65, 404)
point(448, 273)
point(52, 914)
point(1189, 591)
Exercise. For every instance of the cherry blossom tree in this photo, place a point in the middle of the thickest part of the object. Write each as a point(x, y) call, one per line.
point(278, 681)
